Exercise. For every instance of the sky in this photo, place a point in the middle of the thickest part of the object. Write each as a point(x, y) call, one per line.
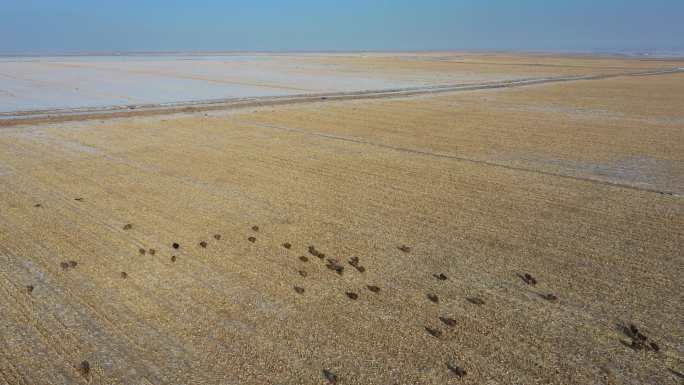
point(79, 26)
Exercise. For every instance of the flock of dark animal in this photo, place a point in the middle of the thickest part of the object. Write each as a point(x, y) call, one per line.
point(638, 340)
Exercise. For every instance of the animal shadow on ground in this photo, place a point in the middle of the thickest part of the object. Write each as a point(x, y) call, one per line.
point(528, 279)
point(334, 265)
point(84, 368)
point(549, 297)
point(455, 369)
point(354, 261)
point(639, 340)
point(448, 321)
point(330, 376)
point(433, 332)
point(316, 253)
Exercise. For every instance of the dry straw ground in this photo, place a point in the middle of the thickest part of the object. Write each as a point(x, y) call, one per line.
point(515, 236)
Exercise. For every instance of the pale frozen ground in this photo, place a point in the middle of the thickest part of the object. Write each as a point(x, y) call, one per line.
point(97, 81)
point(46, 83)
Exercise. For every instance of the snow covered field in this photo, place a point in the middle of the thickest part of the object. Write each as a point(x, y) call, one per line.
point(95, 81)
point(48, 83)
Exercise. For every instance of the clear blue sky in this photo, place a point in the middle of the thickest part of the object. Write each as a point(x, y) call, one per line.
point(63, 26)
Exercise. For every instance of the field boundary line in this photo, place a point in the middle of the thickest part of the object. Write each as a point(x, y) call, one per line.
point(461, 158)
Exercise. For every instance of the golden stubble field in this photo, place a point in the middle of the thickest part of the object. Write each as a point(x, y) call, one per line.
point(429, 211)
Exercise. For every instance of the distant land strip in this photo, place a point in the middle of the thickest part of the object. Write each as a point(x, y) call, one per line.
point(87, 113)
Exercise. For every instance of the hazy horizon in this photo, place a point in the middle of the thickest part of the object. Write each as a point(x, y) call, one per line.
point(38, 27)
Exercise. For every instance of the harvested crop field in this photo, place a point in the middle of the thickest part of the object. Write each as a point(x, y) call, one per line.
point(527, 235)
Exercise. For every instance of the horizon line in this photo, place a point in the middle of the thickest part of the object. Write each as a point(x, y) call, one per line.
point(643, 53)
